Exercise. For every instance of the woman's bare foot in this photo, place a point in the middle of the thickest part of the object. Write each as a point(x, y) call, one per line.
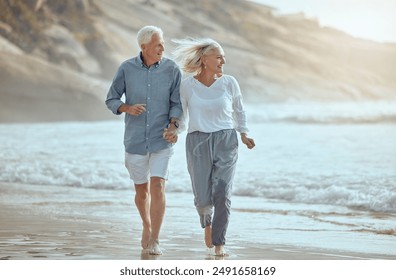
point(220, 251)
point(146, 234)
point(208, 236)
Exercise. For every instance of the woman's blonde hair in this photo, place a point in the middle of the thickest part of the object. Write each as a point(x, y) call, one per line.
point(189, 51)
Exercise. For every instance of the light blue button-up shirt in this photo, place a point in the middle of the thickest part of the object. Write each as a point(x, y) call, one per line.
point(157, 86)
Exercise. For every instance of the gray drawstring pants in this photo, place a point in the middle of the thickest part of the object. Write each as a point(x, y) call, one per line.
point(211, 161)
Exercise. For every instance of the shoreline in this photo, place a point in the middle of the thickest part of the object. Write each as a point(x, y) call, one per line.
point(47, 222)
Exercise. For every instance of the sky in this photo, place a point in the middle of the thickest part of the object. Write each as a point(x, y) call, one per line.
point(368, 19)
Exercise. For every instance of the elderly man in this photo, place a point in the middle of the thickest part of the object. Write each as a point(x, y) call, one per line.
point(152, 106)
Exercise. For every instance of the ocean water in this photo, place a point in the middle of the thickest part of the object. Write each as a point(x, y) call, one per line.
point(318, 172)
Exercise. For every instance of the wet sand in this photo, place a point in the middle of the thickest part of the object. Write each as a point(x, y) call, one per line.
point(51, 223)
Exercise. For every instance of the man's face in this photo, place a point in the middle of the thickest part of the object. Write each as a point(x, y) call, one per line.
point(152, 51)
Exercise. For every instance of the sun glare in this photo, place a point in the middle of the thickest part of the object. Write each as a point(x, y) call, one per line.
point(367, 19)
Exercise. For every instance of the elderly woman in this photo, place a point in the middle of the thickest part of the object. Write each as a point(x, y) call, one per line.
point(212, 103)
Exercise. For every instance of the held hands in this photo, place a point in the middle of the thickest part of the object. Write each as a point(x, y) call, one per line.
point(170, 135)
point(249, 142)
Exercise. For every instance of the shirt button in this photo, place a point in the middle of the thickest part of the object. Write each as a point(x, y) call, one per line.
point(148, 84)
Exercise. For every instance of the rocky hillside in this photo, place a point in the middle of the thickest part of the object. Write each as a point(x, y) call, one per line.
point(57, 57)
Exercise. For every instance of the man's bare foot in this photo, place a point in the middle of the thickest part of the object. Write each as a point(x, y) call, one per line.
point(154, 248)
point(146, 233)
point(220, 251)
point(208, 236)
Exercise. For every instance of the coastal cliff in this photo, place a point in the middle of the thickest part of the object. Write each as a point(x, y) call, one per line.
point(57, 58)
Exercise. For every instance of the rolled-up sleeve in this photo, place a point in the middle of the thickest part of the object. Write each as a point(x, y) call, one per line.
point(175, 110)
point(239, 113)
point(116, 91)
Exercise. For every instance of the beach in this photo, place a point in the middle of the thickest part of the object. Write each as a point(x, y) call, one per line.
point(55, 223)
point(319, 185)
point(315, 199)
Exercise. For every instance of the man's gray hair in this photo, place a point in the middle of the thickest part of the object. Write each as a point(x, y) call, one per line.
point(145, 34)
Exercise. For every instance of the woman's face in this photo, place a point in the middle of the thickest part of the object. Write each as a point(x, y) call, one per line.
point(214, 61)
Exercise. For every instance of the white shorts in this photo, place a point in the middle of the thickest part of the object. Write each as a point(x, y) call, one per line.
point(141, 167)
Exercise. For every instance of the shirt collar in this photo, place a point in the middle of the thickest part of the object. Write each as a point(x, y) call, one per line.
point(144, 65)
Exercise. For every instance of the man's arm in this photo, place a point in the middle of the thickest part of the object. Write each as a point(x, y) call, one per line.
point(175, 110)
point(116, 90)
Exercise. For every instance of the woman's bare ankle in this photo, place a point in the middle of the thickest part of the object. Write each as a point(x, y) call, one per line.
point(220, 251)
point(208, 236)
